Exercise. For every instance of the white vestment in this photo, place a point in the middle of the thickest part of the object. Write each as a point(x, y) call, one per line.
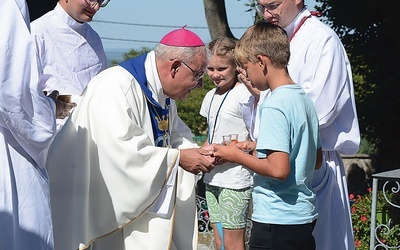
point(319, 63)
point(106, 172)
point(27, 127)
point(70, 53)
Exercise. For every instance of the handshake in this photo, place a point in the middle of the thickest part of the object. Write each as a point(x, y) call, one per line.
point(204, 159)
point(220, 153)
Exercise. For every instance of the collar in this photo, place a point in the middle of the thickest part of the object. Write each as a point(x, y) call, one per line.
point(153, 79)
point(296, 21)
point(63, 15)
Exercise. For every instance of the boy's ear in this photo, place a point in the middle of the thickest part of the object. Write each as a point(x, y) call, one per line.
point(262, 61)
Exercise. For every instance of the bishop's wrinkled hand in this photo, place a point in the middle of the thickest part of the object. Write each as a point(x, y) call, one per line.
point(196, 160)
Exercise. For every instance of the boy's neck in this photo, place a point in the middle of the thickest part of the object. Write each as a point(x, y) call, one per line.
point(280, 79)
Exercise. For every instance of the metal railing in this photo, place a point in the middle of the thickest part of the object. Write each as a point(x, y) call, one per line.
point(390, 183)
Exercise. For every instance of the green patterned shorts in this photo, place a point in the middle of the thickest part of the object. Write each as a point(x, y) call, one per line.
point(228, 206)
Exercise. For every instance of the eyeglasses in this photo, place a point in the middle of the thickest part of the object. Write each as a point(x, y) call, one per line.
point(197, 74)
point(93, 3)
point(268, 7)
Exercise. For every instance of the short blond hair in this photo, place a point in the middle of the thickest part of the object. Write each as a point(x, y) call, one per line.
point(264, 39)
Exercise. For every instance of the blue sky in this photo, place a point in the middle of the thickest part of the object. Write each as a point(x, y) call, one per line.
point(126, 24)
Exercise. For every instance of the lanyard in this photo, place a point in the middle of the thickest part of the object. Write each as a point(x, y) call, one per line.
point(210, 138)
point(313, 13)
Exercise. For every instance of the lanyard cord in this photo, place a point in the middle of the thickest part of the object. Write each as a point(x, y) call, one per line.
point(313, 13)
point(299, 26)
point(210, 138)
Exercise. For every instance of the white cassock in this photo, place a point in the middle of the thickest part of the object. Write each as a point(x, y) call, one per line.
point(27, 127)
point(70, 53)
point(106, 172)
point(319, 63)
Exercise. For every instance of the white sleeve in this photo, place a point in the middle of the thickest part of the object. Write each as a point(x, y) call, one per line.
point(24, 110)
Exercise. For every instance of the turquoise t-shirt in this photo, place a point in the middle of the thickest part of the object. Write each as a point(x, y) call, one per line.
point(288, 123)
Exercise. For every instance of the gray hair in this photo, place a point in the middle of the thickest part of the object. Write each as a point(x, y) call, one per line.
point(186, 54)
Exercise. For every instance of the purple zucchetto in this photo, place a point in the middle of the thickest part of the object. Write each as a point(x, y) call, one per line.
point(182, 38)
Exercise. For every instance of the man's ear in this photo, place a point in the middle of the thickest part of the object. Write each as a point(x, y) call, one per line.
point(174, 67)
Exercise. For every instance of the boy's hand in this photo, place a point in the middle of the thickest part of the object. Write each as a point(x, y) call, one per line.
point(227, 153)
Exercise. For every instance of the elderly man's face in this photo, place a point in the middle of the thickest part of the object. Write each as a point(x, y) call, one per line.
point(188, 76)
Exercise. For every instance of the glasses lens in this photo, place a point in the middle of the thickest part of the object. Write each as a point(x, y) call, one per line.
point(103, 3)
point(268, 7)
point(91, 3)
point(260, 9)
point(199, 75)
point(271, 6)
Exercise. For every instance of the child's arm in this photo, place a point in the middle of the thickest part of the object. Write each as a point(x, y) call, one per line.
point(276, 165)
point(247, 146)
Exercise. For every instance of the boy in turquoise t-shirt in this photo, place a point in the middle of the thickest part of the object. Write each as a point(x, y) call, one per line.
point(288, 147)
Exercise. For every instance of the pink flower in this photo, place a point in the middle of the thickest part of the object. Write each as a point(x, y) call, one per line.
point(363, 218)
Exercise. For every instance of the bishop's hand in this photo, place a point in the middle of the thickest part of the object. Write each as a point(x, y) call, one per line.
point(196, 160)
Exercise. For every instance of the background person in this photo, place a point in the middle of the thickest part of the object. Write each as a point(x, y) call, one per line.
point(27, 127)
point(70, 51)
point(128, 179)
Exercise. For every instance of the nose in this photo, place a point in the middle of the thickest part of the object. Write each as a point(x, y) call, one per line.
point(268, 15)
point(214, 74)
